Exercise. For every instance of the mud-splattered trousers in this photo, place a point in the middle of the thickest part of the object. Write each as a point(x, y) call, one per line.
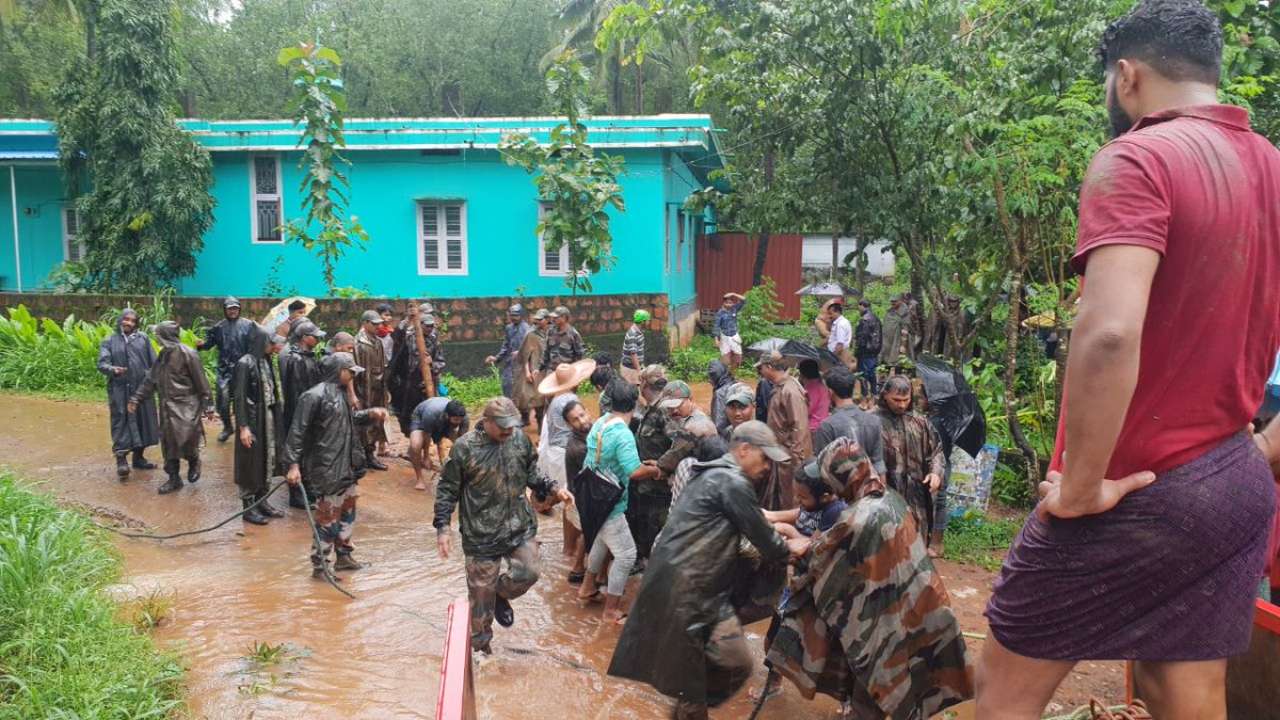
point(335, 519)
point(486, 583)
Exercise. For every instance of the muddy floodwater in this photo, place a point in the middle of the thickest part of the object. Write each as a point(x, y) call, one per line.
point(377, 656)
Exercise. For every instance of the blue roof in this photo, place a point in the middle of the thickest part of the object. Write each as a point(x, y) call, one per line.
point(692, 136)
point(28, 154)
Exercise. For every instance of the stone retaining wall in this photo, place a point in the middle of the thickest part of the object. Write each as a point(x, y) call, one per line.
point(472, 328)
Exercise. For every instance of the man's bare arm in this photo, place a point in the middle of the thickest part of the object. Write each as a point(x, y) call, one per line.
point(1102, 374)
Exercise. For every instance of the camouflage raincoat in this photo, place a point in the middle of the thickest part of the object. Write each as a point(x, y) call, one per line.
point(486, 480)
point(869, 620)
point(912, 450)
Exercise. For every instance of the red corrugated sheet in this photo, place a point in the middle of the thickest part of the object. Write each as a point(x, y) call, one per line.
point(725, 261)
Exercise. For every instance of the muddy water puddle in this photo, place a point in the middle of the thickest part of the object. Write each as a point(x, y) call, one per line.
point(377, 656)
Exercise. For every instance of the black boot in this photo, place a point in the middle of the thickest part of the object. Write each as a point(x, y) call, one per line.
point(266, 508)
point(253, 516)
point(372, 462)
point(295, 497)
point(225, 434)
point(140, 462)
point(122, 466)
point(194, 468)
point(175, 480)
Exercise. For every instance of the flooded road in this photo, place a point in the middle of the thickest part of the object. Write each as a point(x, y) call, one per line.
point(374, 657)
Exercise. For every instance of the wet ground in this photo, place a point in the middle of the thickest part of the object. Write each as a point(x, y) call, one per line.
point(377, 656)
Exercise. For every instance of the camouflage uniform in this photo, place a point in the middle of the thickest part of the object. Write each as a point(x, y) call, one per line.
point(912, 450)
point(563, 346)
point(486, 481)
point(901, 659)
point(650, 500)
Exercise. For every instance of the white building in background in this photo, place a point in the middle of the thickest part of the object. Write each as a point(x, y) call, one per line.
point(817, 254)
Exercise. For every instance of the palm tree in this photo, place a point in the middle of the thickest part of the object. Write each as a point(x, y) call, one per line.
point(584, 18)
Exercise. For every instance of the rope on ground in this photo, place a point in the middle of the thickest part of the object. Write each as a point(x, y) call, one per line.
point(211, 528)
point(315, 532)
point(764, 695)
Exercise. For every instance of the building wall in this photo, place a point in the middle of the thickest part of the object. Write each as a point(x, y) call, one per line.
point(817, 254)
point(679, 256)
point(40, 202)
point(471, 328)
point(727, 261)
point(501, 212)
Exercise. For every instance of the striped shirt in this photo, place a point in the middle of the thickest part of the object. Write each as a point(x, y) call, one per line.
point(633, 344)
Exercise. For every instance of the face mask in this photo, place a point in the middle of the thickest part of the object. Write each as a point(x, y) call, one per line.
point(383, 331)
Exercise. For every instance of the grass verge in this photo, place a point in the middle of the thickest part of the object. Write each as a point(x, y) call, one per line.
point(64, 653)
point(976, 539)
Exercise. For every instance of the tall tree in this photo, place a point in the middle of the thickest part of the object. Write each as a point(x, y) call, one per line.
point(146, 202)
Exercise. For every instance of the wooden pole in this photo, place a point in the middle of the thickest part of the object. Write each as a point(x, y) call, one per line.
point(424, 360)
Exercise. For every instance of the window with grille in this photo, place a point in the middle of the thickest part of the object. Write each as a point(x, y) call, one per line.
point(72, 245)
point(265, 198)
point(551, 263)
point(442, 238)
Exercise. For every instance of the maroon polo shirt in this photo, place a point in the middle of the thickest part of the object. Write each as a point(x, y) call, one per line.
point(1198, 186)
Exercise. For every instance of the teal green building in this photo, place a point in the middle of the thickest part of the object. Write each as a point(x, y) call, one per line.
point(446, 216)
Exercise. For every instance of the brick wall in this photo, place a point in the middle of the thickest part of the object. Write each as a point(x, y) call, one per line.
point(472, 328)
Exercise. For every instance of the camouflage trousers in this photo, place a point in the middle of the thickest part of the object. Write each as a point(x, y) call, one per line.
point(486, 583)
point(729, 667)
point(335, 519)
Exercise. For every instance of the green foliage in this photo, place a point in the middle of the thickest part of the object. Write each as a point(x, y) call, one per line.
point(43, 356)
point(1010, 487)
point(575, 185)
point(975, 539)
point(474, 392)
point(319, 103)
point(759, 319)
point(63, 651)
point(143, 183)
point(690, 363)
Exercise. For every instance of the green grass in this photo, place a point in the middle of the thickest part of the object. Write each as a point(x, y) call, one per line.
point(64, 651)
point(975, 539)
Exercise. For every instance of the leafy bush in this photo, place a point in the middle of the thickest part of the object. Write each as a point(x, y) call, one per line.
point(1010, 486)
point(975, 539)
point(759, 318)
point(690, 363)
point(474, 392)
point(62, 648)
point(41, 355)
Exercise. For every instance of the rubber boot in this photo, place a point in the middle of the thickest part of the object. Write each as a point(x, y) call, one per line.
point(141, 462)
point(372, 461)
point(194, 468)
point(253, 517)
point(266, 508)
point(226, 434)
point(175, 480)
point(122, 466)
point(295, 498)
point(346, 561)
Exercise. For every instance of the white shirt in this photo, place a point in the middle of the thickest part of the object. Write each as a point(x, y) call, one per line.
point(841, 333)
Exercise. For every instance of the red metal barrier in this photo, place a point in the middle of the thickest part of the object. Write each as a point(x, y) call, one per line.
point(457, 699)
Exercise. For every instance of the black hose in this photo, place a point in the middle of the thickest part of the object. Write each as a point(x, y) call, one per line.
point(149, 536)
point(764, 695)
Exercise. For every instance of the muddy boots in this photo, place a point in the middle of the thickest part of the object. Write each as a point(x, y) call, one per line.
point(193, 469)
point(140, 462)
point(346, 562)
point(371, 460)
point(175, 480)
point(266, 508)
point(122, 466)
point(225, 434)
point(252, 515)
point(295, 498)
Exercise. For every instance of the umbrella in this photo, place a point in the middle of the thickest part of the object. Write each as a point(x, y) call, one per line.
point(280, 312)
point(953, 404)
point(823, 288)
point(796, 350)
point(767, 345)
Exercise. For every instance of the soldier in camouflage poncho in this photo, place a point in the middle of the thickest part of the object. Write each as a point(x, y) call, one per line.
point(869, 622)
point(564, 344)
point(913, 457)
point(485, 478)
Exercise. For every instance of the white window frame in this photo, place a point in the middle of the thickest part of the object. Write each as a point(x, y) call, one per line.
point(255, 196)
point(442, 247)
point(68, 211)
point(543, 270)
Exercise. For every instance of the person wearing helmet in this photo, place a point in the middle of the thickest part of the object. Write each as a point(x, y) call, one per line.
point(633, 346)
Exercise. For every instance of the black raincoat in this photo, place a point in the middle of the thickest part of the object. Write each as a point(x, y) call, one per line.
point(689, 580)
point(257, 403)
point(721, 381)
point(178, 378)
point(404, 379)
point(322, 438)
point(299, 372)
point(231, 338)
point(137, 430)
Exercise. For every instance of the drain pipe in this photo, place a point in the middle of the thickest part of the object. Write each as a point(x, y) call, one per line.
point(17, 249)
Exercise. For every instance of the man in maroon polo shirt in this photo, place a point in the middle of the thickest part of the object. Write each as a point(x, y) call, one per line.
point(1179, 243)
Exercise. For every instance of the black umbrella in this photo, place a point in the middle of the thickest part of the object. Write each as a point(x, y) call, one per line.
point(767, 345)
point(796, 350)
point(824, 289)
point(953, 404)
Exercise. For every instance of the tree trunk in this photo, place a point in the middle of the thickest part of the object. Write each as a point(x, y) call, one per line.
point(639, 110)
point(835, 253)
point(762, 244)
point(91, 29)
point(615, 85)
point(860, 259)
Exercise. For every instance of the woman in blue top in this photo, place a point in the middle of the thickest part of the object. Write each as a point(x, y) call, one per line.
point(611, 452)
